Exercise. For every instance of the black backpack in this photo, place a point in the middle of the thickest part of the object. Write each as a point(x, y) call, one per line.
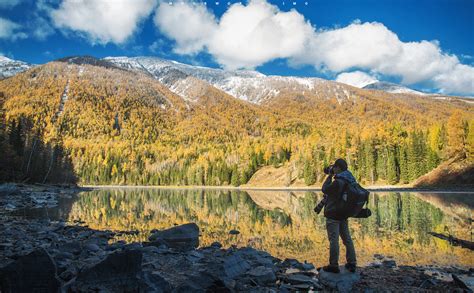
point(354, 197)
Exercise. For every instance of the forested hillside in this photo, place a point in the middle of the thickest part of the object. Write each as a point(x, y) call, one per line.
point(66, 122)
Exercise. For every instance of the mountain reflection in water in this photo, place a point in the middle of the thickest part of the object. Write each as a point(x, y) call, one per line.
point(284, 223)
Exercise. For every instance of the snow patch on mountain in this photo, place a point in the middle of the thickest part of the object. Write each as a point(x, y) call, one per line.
point(251, 86)
point(392, 88)
point(10, 67)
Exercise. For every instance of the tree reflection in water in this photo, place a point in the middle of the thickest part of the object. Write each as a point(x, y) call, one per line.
point(284, 224)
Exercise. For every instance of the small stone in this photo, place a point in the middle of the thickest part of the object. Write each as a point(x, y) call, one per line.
point(299, 279)
point(133, 246)
point(194, 256)
point(92, 247)
point(234, 232)
point(4, 246)
point(302, 286)
point(116, 245)
point(61, 255)
point(308, 266)
point(72, 247)
point(379, 256)
point(262, 275)
point(292, 271)
point(67, 275)
point(375, 264)
point(10, 207)
point(150, 249)
point(408, 280)
point(290, 262)
point(216, 244)
point(389, 263)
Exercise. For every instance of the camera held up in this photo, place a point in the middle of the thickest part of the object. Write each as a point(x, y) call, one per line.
point(329, 170)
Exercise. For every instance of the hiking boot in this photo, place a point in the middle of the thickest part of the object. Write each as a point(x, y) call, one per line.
point(331, 269)
point(350, 267)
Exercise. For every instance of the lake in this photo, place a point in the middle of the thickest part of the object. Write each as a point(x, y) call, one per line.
point(282, 222)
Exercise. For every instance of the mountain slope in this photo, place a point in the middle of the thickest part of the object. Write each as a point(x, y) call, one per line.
point(9, 67)
point(456, 172)
point(392, 88)
point(250, 86)
point(110, 123)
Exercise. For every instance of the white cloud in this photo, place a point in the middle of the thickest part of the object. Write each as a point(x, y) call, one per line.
point(39, 24)
point(251, 35)
point(158, 47)
point(247, 36)
point(102, 21)
point(244, 37)
point(418, 61)
point(9, 3)
point(41, 28)
point(10, 30)
point(372, 46)
point(459, 80)
point(356, 78)
point(364, 45)
point(189, 25)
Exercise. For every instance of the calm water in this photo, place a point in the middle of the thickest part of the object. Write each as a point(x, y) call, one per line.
point(283, 222)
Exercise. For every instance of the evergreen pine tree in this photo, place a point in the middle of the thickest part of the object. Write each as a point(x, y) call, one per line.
point(392, 166)
point(308, 173)
point(402, 159)
point(235, 177)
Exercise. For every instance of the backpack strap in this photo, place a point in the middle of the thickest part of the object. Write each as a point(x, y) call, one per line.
point(367, 202)
point(345, 186)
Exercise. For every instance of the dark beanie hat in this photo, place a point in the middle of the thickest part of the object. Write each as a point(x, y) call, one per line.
point(341, 163)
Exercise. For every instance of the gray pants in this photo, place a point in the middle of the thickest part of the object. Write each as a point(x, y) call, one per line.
point(336, 229)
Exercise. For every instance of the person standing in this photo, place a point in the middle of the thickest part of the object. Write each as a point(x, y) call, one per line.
point(337, 224)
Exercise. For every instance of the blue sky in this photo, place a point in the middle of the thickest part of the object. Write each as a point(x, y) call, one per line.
point(427, 45)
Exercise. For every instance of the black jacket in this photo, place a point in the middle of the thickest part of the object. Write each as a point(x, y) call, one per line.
point(333, 189)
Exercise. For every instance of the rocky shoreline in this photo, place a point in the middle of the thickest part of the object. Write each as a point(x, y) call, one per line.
point(45, 255)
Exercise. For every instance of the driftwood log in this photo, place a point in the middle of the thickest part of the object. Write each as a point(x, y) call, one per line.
point(454, 241)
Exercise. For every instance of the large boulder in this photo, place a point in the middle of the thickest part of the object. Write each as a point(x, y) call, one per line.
point(234, 266)
point(262, 275)
point(464, 281)
point(202, 282)
point(183, 237)
point(153, 282)
point(119, 272)
point(256, 257)
point(35, 272)
point(342, 282)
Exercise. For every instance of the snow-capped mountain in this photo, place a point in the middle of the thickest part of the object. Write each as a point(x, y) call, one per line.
point(392, 88)
point(9, 67)
point(191, 81)
point(246, 85)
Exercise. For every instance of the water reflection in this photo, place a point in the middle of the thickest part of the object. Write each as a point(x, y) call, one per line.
point(284, 224)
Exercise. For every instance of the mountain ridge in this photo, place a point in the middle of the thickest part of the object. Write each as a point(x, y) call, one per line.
point(247, 85)
point(393, 88)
